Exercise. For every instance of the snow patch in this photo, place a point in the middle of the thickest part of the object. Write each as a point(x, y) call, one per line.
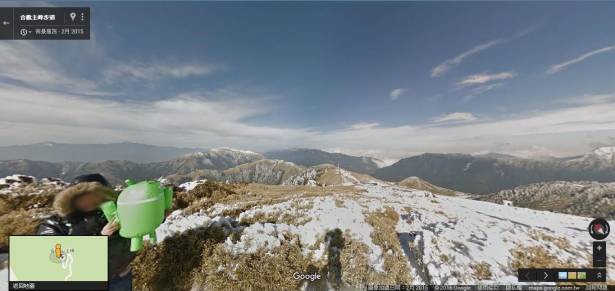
point(325, 216)
point(467, 167)
point(192, 184)
point(347, 178)
point(228, 149)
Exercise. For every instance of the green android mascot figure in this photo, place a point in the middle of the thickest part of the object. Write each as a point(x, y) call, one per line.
point(140, 209)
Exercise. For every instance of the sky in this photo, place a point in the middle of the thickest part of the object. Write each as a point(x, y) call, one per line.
point(388, 79)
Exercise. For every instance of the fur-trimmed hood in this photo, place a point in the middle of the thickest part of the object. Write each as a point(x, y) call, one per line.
point(63, 202)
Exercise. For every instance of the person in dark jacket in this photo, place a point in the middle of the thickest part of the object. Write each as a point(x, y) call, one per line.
point(78, 213)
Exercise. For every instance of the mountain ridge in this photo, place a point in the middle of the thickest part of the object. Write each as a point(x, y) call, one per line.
point(64, 152)
point(117, 171)
point(483, 174)
point(582, 198)
point(314, 157)
point(475, 174)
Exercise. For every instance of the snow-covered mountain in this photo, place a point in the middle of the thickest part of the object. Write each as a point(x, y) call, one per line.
point(314, 157)
point(600, 157)
point(265, 171)
point(215, 159)
point(607, 154)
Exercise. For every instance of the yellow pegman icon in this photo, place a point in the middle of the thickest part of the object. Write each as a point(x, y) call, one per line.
point(58, 250)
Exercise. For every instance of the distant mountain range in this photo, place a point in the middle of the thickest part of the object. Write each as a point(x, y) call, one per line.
point(62, 152)
point(482, 174)
point(117, 171)
point(142, 153)
point(478, 174)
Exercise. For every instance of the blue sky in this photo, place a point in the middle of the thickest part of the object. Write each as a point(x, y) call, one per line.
point(386, 79)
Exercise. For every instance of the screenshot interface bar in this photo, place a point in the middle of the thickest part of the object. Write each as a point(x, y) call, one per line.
point(70, 23)
point(598, 229)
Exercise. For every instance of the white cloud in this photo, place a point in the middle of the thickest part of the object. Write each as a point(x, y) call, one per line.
point(590, 99)
point(444, 67)
point(563, 131)
point(483, 78)
point(396, 93)
point(25, 63)
point(185, 119)
point(38, 104)
point(449, 64)
point(479, 90)
point(482, 83)
point(28, 116)
point(365, 125)
point(524, 151)
point(153, 71)
point(41, 101)
point(455, 117)
point(563, 65)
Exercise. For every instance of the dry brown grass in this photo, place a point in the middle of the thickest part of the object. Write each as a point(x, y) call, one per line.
point(20, 210)
point(534, 257)
point(354, 259)
point(481, 270)
point(9, 202)
point(261, 217)
point(560, 242)
point(279, 192)
point(294, 219)
point(262, 270)
point(203, 196)
point(248, 196)
point(301, 204)
point(339, 203)
point(384, 223)
point(170, 264)
point(276, 218)
point(19, 222)
point(236, 210)
point(385, 236)
point(358, 271)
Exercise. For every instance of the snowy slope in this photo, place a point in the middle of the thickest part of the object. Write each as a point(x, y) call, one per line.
point(445, 240)
point(486, 232)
